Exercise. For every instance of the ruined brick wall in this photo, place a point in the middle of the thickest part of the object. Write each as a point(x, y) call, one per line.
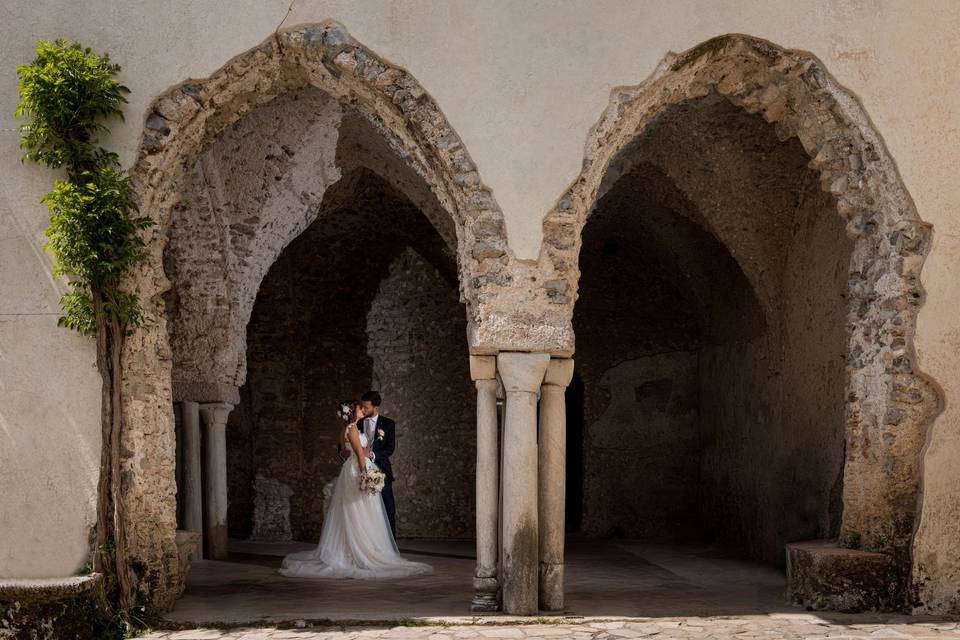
point(421, 367)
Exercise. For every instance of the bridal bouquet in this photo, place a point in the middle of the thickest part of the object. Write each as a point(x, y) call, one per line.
point(372, 481)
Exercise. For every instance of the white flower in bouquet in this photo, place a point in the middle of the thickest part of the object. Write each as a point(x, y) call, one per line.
point(372, 481)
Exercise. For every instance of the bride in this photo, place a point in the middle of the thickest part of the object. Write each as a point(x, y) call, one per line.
point(356, 541)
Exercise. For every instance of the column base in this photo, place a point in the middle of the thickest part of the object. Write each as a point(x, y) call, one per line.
point(822, 575)
point(551, 586)
point(188, 543)
point(486, 595)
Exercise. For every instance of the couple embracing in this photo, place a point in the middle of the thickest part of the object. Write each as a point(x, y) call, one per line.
point(357, 540)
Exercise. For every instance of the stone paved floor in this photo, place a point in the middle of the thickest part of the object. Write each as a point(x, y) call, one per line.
point(615, 590)
point(610, 579)
point(772, 627)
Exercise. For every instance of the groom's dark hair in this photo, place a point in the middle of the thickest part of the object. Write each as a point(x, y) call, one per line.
point(372, 397)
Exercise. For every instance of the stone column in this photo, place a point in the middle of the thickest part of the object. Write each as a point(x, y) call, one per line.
point(215, 495)
point(553, 480)
point(483, 370)
point(522, 374)
point(192, 488)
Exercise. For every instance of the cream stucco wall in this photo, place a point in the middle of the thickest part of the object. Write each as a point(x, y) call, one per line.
point(521, 82)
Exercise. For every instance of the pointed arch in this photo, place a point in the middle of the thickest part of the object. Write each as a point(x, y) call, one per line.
point(180, 127)
point(889, 402)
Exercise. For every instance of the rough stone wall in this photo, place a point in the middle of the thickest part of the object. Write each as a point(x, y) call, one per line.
point(712, 202)
point(888, 402)
point(636, 355)
point(294, 444)
point(783, 402)
point(254, 189)
point(421, 367)
point(310, 342)
point(519, 305)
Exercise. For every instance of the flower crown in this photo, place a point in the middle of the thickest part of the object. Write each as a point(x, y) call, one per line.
point(345, 412)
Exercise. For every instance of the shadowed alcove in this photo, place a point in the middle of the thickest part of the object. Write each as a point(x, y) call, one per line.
point(309, 257)
point(711, 338)
point(365, 298)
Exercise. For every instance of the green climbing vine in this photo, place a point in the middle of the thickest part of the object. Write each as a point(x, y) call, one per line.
point(66, 94)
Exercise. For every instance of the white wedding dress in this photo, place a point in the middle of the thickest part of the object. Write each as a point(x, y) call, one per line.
point(356, 541)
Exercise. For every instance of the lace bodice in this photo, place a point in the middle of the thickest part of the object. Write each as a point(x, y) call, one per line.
point(363, 438)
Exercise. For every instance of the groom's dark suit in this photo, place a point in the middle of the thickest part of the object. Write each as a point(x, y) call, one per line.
point(383, 448)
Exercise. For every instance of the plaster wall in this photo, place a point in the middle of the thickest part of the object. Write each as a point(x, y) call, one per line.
point(521, 84)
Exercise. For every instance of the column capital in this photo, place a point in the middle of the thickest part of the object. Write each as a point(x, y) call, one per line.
point(203, 392)
point(559, 372)
point(483, 367)
point(215, 412)
point(522, 371)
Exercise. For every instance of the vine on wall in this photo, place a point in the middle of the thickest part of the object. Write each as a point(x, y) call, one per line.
point(66, 94)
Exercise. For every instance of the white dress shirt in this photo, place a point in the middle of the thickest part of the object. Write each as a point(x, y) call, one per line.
point(370, 428)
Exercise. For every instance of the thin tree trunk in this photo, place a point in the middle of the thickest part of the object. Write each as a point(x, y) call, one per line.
point(103, 560)
point(119, 504)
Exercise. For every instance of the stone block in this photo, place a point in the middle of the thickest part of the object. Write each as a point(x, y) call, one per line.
point(822, 575)
point(188, 543)
point(483, 367)
point(559, 372)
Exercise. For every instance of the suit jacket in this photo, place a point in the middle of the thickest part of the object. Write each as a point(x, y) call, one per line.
point(384, 448)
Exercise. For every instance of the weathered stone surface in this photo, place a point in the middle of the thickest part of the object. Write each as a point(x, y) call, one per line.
point(522, 374)
point(822, 575)
point(377, 313)
point(420, 365)
point(220, 246)
point(54, 608)
point(883, 434)
point(797, 626)
point(271, 510)
point(185, 158)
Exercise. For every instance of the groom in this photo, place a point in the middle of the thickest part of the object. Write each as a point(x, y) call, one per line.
point(382, 432)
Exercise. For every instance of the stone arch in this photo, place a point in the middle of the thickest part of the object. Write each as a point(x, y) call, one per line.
point(888, 402)
point(340, 75)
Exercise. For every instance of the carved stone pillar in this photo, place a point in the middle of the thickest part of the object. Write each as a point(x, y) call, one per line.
point(215, 495)
point(552, 484)
point(521, 374)
point(486, 587)
point(191, 490)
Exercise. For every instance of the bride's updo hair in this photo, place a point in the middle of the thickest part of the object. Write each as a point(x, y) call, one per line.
point(347, 409)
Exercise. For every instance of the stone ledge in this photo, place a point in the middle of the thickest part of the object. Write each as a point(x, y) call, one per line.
point(822, 575)
point(47, 589)
point(55, 608)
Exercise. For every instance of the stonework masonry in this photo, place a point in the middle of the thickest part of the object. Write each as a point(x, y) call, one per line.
point(738, 255)
point(415, 332)
point(376, 316)
point(888, 403)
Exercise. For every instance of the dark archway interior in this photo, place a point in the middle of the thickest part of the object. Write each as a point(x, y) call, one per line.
point(366, 297)
point(574, 479)
point(711, 338)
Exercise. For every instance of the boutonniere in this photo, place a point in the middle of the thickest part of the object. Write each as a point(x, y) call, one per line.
point(380, 434)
